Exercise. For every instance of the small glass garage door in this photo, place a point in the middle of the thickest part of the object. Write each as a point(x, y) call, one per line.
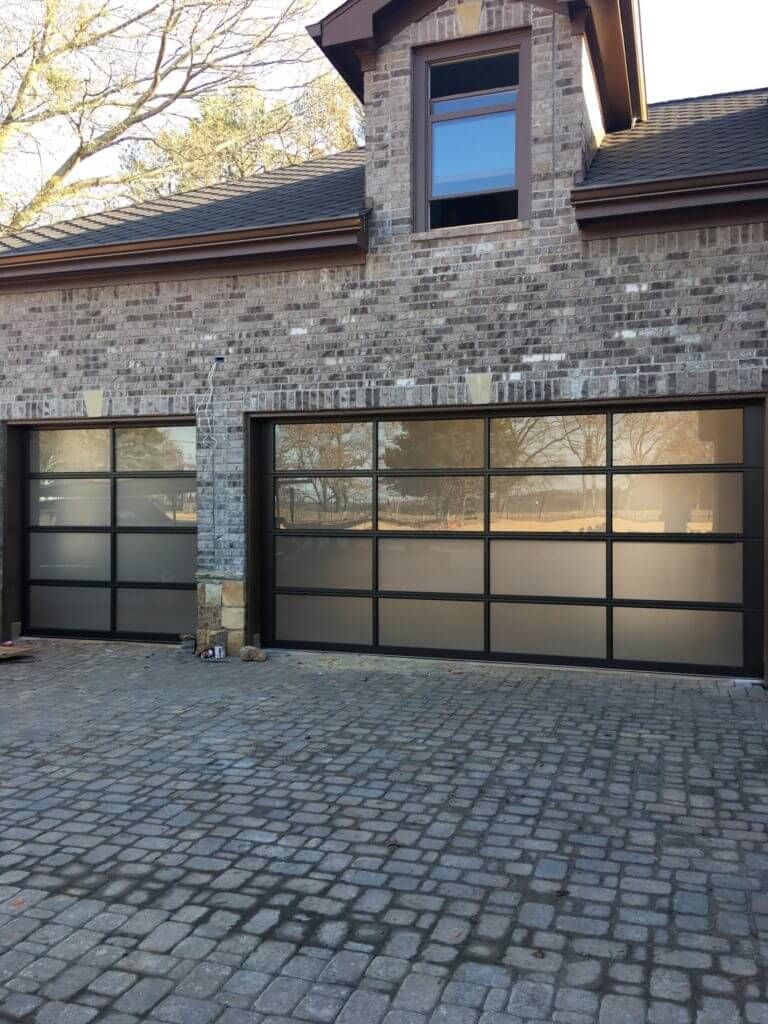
point(111, 532)
point(626, 536)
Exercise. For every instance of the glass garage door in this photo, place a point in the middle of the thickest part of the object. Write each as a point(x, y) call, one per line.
point(628, 537)
point(111, 532)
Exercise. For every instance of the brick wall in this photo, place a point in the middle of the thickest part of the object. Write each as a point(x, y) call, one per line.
point(548, 315)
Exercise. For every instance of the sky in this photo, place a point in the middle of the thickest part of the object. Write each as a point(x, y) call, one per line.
point(698, 47)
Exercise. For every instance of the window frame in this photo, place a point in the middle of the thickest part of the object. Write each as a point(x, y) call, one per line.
point(422, 120)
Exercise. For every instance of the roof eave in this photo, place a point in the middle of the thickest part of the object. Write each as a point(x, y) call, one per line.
point(210, 249)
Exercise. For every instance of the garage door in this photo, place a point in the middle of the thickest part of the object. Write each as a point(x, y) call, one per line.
point(627, 537)
point(111, 532)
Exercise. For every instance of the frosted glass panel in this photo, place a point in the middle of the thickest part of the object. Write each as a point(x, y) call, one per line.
point(85, 609)
point(549, 630)
point(449, 625)
point(431, 503)
point(308, 446)
point(157, 502)
point(69, 556)
point(681, 437)
point(329, 502)
point(678, 636)
point(548, 504)
point(156, 558)
point(431, 444)
point(441, 566)
point(326, 563)
point(62, 502)
point(548, 442)
point(329, 620)
point(678, 572)
point(69, 451)
point(156, 611)
point(677, 503)
point(548, 568)
point(154, 449)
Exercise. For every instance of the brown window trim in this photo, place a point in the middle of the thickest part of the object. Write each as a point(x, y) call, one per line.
point(423, 57)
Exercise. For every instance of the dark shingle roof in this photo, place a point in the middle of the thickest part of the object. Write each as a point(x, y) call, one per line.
point(327, 188)
point(687, 138)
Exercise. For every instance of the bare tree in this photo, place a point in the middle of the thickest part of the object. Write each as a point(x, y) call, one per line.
point(81, 78)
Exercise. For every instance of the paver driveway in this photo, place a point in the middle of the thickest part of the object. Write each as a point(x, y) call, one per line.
point(356, 840)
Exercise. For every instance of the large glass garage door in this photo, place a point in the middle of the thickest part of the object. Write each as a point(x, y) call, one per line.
point(629, 537)
point(111, 532)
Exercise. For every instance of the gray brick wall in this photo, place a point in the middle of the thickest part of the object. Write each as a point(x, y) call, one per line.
point(549, 315)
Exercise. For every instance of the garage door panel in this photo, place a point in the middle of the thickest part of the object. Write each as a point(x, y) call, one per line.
point(71, 609)
point(324, 563)
point(549, 630)
point(432, 625)
point(69, 556)
point(548, 568)
point(705, 573)
point(445, 566)
point(324, 620)
point(678, 437)
point(678, 503)
point(678, 636)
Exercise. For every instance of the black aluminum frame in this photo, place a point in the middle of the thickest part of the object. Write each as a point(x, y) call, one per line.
point(751, 537)
point(113, 584)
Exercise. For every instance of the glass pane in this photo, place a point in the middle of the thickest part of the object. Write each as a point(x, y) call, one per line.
point(677, 572)
point(338, 503)
point(474, 154)
point(328, 563)
point(155, 448)
point(69, 556)
point(157, 502)
point(444, 625)
point(59, 502)
point(548, 442)
point(678, 636)
point(438, 566)
point(475, 74)
point(324, 620)
point(85, 609)
point(431, 503)
point(548, 568)
point(306, 446)
point(69, 451)
point(551, 504)
point(677, 503)
point(156, 558)
point(549, 630)
point(431, 444)
point(171, 612)
point(476, 102)
point(682, 437)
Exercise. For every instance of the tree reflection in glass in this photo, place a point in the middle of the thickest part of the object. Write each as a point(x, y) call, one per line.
point(431, 503)
point(323, 446)
point(548, 504)
point(678, 437)
point(155, 449)
point(548, 442)
point(339, 503)
point(431, 444)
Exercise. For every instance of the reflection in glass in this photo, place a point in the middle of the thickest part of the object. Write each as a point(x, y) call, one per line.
point(548, 442)
point(551, 504)
point(678, 636)
point(156, 558)
point(325, 563)
point(431, 444)
point(308, 446)
point(157, 502)
point(170, 612)
point(677, 503)
point(677, 572)
point(474, 154)
point(339, 503)
point(84, 609)
point(323, 620)
point(478, 101)
point(495, 71)
point(549, 630)
point(69, 556)
point(681, 437)
point(431, 625)
point(69, 451)
point(449, 566)
point(548, 568)
point(63, 502)
point(155, 449)
point(431, 503)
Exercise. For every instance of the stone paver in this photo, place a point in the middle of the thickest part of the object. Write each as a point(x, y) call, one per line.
point(333, 839)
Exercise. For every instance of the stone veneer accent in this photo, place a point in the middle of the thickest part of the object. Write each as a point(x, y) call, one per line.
point(221, 608)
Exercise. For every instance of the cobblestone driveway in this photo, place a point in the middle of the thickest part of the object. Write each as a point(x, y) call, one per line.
point(357, 840)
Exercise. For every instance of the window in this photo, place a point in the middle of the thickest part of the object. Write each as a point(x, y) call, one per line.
point(471, 133)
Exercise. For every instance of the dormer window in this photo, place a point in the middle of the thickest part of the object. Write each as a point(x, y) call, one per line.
point(471, 136)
